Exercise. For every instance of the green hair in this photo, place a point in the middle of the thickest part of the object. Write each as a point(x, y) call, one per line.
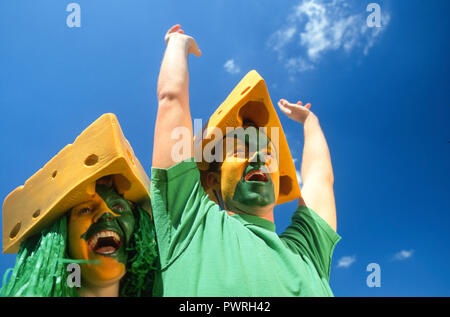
point(142, 258)
point(40, 271)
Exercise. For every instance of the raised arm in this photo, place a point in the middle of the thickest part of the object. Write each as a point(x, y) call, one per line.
point(317, 171)
point(173, 98)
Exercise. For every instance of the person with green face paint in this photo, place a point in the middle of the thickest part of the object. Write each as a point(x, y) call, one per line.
point(93, 225)
point(116, 253)
point(100, 232)
point(214, 220)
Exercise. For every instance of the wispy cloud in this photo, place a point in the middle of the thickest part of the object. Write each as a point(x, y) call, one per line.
point(346, 261)
point(316, 27)
point(403, 255)
point(299, 178)
point(231, 67)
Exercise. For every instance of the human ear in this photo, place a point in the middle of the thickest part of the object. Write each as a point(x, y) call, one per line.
point(213, 180)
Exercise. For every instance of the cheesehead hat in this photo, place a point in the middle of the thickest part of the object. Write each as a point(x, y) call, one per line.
point(250, 100)
point(68, 179)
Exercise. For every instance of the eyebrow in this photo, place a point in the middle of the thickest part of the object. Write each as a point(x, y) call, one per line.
point(246, 141)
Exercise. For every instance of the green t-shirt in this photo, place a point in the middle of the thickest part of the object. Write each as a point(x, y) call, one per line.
point(206, 252)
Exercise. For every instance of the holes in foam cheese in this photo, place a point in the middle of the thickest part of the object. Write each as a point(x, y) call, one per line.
point(15, 230)
point(91, 160)
point(245, 90)
point(254, 111)
point(121, 183)
point(285, 185)
point(54, 174)
point(36, 214)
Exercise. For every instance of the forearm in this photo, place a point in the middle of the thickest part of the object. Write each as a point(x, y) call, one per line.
point(317, 172)
point(173, 103)
point(173, 81)
point(316, 162)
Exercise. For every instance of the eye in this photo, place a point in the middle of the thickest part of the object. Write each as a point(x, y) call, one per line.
point(239, 151)
point(84, 211)
point(118, 207)
point(268, 155)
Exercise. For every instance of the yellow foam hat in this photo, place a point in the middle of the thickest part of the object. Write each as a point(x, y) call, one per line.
point(68, 179)
point(250, 100)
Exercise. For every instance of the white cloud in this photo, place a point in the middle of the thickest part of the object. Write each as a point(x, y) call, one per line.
point(282, 37)
point(299, 178)
point(346, 261)
point(231, 67)
point(319, 26)
point(403, 255)
point(385, 19)
point(299, 64)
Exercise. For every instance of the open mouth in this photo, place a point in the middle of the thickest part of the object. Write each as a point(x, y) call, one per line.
point(105, 242)
point(256, 176)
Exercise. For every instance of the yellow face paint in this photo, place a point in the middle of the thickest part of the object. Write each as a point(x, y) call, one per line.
point(99, 230)
point(250, 179)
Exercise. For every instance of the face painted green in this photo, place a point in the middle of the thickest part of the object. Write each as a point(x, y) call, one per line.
point(257, 184)
point(249, 194)
point(105, 230)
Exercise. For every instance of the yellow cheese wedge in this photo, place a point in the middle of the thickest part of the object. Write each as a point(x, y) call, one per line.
point(69, 179)
point(250, 100)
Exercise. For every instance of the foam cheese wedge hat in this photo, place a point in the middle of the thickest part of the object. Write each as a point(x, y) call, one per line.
point(68, 179)
point(250, 100)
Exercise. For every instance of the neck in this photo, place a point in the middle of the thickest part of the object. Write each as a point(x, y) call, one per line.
point(268, 215)
point(111, 290)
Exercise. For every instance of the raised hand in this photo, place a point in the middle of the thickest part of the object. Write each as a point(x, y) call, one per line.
point(296, 112)
point(176, 32)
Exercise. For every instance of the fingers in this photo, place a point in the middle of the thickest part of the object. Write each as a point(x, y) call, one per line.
point(174, 28)
point(197, 52)
point(299, 103)
point(193, 47)
point(307, 106)
point(288, 107)
point(283, 108)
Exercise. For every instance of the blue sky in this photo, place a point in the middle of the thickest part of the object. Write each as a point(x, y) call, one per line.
point(381, 96)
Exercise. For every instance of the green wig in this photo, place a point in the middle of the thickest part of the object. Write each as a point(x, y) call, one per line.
point(40, 268)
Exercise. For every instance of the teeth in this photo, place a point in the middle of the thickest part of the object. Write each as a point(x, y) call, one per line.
point(103, 234)
point(257, 172)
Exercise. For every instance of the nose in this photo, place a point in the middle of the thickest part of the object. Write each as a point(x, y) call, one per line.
point(258, 158)
point(105, 216)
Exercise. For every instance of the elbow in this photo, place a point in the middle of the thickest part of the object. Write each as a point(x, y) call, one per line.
point(170, 99)
point(168, 95)
point(171, 90)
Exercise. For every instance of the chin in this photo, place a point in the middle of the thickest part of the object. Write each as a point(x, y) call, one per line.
point(257, 208)
point(104, 274)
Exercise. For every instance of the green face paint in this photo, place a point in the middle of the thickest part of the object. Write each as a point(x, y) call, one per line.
point(108, 227)
point(255, 188)
point(251, 194)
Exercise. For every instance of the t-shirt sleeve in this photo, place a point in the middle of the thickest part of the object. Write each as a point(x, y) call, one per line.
point(310, 236)
point(179, 204)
